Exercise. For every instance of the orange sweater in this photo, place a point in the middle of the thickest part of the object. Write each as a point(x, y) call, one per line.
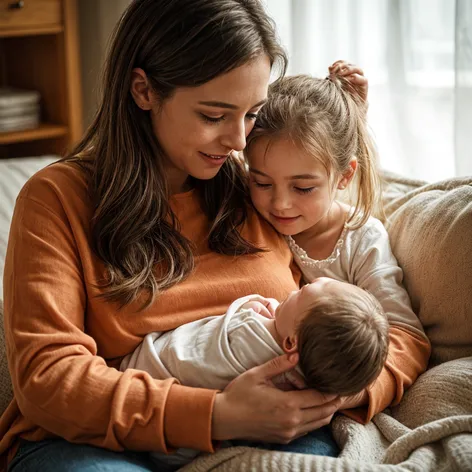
point(62, 340)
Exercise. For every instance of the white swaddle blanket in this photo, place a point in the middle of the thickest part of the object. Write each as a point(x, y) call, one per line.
point(206, 353)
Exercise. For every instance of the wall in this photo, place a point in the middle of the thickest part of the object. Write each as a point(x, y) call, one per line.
point(97, 19)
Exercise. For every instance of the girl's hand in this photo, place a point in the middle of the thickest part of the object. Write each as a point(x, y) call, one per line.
point(251, 407)
point(354, 75)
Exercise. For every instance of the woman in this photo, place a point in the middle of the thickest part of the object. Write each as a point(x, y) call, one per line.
point(145, 227)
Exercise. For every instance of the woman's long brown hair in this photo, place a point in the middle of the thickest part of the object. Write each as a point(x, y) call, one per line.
point(178, 43)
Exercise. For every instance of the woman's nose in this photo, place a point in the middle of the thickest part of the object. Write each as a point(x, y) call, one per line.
point(235, 138)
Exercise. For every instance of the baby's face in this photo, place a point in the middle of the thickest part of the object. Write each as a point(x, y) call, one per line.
point(295, 307)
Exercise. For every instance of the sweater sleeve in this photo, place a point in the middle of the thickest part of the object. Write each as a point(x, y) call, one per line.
point(59, 381)
point(375, 269)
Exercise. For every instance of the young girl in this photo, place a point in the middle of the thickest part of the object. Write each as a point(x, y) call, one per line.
point(309, 142)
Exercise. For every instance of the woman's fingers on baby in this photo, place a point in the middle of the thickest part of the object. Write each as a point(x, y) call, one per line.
point(321, 414)
point(295, 379)
point(311, 398)
point(288, 381)
point(297, 422)
point(281, 382)
point(276, 366)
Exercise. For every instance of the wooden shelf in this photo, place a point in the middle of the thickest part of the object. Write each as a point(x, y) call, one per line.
point(44, 131)
point(39, 51)
point(33, 31)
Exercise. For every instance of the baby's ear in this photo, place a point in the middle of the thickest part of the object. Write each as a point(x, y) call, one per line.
point(289, 344)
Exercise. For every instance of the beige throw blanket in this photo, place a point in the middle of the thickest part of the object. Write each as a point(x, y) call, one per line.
point(431, 430)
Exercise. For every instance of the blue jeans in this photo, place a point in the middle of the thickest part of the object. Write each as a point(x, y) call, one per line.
point(54, 455)
point(319, 442)
point(57, 455)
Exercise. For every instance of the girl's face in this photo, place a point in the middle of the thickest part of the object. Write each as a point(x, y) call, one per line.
point(199, 127)
point(289, 187)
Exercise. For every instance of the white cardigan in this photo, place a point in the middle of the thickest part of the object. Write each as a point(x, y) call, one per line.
point(363, 257)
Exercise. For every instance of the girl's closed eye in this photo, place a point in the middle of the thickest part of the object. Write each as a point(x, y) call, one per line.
point(261, 185)
point(305, 190)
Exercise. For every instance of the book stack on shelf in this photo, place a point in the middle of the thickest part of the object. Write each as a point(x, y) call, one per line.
point(19, 109)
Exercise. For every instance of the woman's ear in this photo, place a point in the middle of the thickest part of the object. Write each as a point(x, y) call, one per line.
point(289, 344)
point(140, 89)
point(348, 175)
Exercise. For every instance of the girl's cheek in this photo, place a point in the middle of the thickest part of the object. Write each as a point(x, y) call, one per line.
point(253, 196)
point(257, 198)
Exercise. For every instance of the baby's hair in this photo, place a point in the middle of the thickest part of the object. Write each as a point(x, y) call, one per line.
point(343, 343)
point(327, 119)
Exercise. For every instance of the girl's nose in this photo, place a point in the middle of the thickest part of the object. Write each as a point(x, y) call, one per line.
point(281, 202)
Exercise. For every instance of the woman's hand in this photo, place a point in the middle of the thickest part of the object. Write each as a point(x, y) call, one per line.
point(251, 407)
point(354, 75)
point(354, 401)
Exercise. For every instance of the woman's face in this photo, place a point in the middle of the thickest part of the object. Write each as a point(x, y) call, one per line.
point(198, 127)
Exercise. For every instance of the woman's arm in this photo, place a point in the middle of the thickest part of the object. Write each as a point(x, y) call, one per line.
point(375, 269)
point(60, 382)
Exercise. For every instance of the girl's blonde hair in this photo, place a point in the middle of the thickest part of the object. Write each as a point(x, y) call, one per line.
point(327, 119)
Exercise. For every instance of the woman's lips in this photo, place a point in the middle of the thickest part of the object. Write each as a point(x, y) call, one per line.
point(214, 159)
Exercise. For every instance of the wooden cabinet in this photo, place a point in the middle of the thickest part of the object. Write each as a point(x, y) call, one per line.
point(39, 51)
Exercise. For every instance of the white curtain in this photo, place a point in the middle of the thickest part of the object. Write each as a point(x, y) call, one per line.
point(417, 55)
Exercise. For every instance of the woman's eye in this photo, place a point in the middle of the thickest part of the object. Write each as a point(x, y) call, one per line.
point(211, 119)
point(305, 190)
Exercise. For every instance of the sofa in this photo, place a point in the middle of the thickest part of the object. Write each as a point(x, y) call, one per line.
point(430, 226)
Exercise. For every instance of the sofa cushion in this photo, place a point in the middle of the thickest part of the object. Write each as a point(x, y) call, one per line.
point(441, 392)
point(431, 232)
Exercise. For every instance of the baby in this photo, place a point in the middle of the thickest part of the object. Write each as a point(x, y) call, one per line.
point(339, 330)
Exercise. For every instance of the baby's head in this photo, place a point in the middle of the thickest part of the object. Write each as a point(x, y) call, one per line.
point(308, 141)
point(340, 332)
